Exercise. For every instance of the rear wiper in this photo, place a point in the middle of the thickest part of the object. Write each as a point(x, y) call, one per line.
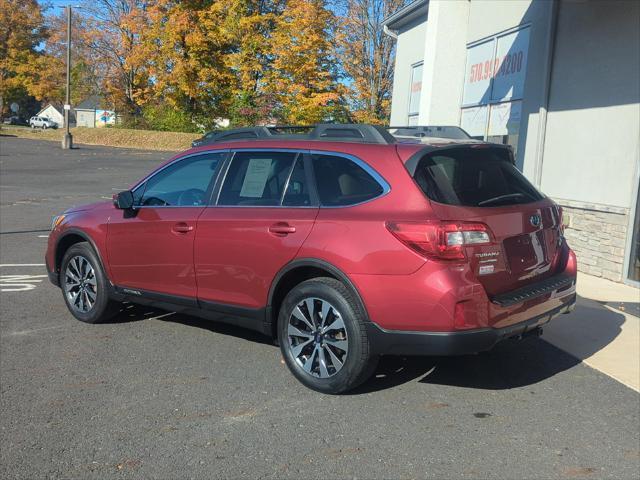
point(501, 197)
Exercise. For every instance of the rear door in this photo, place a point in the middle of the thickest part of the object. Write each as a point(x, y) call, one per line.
point(480, 183)
point(264, 211)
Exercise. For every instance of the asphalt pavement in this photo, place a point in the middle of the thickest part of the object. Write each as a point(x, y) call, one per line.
point(160, 395)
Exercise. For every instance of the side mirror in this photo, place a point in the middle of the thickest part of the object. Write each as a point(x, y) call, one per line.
point(123, 200)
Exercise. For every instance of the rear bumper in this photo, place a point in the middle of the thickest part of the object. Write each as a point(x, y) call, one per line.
point(398, 342)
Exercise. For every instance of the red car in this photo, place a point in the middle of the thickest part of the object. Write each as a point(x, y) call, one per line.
point(344, 243)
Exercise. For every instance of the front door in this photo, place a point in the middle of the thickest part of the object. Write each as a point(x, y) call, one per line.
point(264, 213)
point(151, 247)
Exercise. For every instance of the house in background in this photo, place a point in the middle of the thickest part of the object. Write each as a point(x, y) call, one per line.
point(55, 113)
point(90, 114)
point(558, 81)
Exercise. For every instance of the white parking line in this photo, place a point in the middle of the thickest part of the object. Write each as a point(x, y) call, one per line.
point(22, 265)
point(35, 330)
point(19, 283)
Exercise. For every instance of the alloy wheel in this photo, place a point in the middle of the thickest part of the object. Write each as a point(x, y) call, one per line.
point(80, 284)
point(317, 337)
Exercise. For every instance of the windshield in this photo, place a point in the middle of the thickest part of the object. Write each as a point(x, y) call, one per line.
point(474, 177)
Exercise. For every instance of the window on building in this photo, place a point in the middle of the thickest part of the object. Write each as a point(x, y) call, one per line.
point(415, 93)
point(494, 87)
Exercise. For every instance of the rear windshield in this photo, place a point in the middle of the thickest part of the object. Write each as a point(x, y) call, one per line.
point(474, 177)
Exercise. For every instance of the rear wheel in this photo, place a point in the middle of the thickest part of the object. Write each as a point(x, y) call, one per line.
point(323, 338)
point(84, 285)
point(44, 126)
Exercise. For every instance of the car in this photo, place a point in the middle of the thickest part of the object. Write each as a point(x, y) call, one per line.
point(12, 120)
point(343, 244)
point(42, 122)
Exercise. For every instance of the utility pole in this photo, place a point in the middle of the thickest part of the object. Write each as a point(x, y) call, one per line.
point(67, 140)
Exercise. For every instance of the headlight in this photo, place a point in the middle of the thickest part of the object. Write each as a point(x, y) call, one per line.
point(56, 221)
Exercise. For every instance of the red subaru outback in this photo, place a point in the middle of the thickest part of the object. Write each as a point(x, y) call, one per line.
point(344, 243)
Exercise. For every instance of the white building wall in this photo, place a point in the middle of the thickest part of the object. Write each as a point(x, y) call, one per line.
point(52, 114)
point(409, 51)
point(444, 64)
point(593, 127)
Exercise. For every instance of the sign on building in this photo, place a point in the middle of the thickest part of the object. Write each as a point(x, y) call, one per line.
point(494, 86)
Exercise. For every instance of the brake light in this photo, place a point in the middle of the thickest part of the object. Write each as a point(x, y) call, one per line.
point(559, 219)
point(440, 240)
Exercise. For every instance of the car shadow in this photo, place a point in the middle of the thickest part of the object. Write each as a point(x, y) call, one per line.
point(132, 312)
point(512, 363)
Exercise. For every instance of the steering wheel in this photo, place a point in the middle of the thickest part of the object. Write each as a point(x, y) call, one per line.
point(191, 197)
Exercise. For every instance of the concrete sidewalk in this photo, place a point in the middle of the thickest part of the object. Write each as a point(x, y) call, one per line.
point(603, 336)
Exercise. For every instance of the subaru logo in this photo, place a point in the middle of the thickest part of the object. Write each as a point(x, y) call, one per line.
point(535, 220)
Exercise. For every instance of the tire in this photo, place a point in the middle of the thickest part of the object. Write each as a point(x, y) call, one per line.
point(347, 362)
point(85, 286)
point(44, 126)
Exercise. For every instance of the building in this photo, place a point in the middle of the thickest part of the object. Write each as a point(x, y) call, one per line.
point(559, 81)
point(90, 114)
point(55, 113)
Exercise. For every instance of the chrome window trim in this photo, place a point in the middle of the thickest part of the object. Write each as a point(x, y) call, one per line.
point(173, 162)
point(386, 188)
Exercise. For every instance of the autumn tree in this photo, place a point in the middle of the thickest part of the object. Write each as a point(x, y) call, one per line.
point(113, 33)
point(249, 25)
point(367, 57)
point(303, 74)
point(86, 71)
point(24, 70)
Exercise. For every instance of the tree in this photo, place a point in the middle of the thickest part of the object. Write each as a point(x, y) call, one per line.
point(367, 57)
point(113, 30)
point(182, 47)
point(24, 69)
point(249, 25)
point(303, 75)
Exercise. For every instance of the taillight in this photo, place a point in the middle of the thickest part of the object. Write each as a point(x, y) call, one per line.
point(559, 219)
point(440, 240)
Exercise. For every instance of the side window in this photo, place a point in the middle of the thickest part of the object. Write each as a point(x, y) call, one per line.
point(297, 194)
point(342, 182)
point(185, 183)
point(256, 178)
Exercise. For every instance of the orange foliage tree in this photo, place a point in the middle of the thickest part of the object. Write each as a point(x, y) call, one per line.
point(24, 68)
point(367, 57)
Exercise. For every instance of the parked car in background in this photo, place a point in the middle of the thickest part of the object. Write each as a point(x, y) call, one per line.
point(42, 122)
point(12, 120)
point(344, 244)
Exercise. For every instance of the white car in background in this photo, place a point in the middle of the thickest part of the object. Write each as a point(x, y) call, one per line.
point(42, 122)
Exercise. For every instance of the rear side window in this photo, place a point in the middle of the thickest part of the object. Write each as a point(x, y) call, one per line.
point(257, 178)
point(474, 177)
point(342, 182)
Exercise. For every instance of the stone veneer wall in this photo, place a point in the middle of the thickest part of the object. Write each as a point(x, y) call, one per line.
point(597, 233)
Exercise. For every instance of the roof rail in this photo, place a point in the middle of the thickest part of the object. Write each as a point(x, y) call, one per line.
point(328, 132)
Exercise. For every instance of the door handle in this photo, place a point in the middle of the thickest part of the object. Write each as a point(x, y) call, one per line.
point(182, 227)
point(282, 229)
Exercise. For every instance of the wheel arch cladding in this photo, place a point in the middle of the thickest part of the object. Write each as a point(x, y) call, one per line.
point(67, 240)
point(297, 272)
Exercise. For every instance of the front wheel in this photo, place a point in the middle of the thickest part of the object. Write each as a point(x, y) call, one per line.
point(84, 285)
point(323, 338)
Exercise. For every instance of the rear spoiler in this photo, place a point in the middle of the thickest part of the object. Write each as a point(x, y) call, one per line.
point(412, 163)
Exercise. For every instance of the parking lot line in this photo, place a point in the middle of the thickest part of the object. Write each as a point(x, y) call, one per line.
point(22, 265)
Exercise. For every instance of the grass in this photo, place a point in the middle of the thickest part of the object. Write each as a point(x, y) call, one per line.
point(112, 137)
